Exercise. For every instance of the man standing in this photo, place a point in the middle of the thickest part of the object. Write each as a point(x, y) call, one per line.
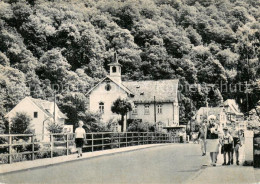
point(236, 145)
point(202, 138)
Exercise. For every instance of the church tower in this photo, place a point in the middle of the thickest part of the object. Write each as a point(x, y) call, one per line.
point(115, 70)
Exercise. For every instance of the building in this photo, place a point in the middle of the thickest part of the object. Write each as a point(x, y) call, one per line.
point(234, 116)
point(209, 114)
point(152, 101)
point(41, 112)
point(233, 112)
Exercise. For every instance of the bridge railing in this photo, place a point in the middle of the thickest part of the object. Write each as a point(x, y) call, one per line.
point(22, 147)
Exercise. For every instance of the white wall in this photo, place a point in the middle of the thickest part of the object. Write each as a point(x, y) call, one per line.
point(99, 94)
point(29, 108)
point(167, 115)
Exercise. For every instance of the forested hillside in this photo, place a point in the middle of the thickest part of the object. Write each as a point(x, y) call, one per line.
point(46, 45)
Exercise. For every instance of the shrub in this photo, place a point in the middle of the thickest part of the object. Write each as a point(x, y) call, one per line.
point(137, 125)
point(54, 127)
point(21, 123)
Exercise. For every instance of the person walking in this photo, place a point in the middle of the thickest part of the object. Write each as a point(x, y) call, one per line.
point(212, 141)
point(202, 138)
point(227, 143)
point(80, 135)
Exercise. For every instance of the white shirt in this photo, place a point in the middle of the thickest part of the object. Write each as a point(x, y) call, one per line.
point(79, 132)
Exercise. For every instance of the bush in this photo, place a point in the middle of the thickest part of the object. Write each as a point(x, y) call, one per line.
point(59, 152)
point(136, 125)
point(21, 124)
point(54, 127)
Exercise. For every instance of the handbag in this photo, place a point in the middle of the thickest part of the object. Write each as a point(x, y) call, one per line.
point(222, 149)
point(73, 149)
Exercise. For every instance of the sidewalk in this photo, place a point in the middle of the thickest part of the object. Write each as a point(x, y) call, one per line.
point(232, 174)
point(18, 166)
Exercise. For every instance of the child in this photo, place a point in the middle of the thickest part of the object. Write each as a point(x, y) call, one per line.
point(227, 143)
point(80, 135)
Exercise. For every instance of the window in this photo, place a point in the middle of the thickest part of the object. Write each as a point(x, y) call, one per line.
point(35, 114)
point(146, 109)
point(114, 69)
point(135, 109)
point(159, 109)
point(101, 107)
point(108, 87)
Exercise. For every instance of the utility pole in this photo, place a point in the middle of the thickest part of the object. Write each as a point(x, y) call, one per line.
point(207, 106)
point(54, 111)
point(154, 103)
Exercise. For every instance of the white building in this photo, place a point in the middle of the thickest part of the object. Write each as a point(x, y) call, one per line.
point(41, 113)
point(233, 112)
point(153, 101)
point(216, 114)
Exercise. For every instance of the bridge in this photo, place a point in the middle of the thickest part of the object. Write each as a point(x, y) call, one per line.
point(162, 163)
point(127, 158)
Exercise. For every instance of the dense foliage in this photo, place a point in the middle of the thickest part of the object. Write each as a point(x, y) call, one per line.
point(48, 45)
point(121, 107)
point(21, 124)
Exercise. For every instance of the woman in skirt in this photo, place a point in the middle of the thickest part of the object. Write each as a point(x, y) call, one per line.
point(212, 142)
point(80, 135)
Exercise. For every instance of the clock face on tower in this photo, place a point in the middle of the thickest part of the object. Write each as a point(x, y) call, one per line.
point(108, 87)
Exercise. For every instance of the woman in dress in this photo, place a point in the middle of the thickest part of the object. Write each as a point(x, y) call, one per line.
point(80, 135)
point(212, 142)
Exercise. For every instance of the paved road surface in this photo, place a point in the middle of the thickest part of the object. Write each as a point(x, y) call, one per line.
point(173, 163)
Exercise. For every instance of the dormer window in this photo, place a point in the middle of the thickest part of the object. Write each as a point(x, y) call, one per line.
point(114, 69)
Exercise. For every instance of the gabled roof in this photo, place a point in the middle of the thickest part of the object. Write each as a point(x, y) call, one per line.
point(233, 106)
point(114, 64)
point(211, 110)
point(118, 84)
point(44, 106)
point(145, 91)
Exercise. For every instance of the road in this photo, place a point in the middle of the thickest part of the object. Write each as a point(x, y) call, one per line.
point(173, 163)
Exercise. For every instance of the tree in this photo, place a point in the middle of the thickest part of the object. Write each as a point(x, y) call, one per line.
point(92, 122)
point(21, 123)
point(121, 106)
point(54, 127)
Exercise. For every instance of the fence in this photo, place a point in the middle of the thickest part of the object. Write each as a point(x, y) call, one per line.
point(21, 147)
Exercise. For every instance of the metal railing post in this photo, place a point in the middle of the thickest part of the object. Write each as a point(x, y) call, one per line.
point(102, 141)
point(126, 138)
point(32, 147)
point(133, 139)
point(92, 142)
point(67, 144)
point(10, 149)
point(143, 137)
point(119, 141)
point(51, 139)
point(138, 136)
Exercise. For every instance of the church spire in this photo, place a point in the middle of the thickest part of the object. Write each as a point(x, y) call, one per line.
point(115, 69)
